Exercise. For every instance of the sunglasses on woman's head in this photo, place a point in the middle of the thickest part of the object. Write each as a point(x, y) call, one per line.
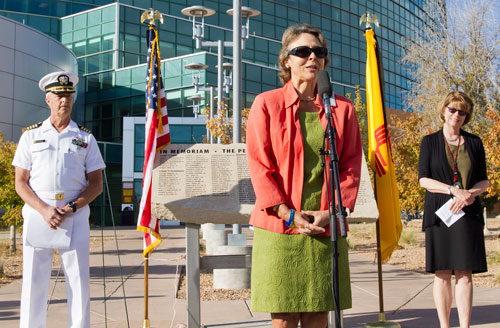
point(305, 52)
point(454, 110)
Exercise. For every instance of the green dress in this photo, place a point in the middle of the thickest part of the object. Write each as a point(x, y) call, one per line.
point(292, 272)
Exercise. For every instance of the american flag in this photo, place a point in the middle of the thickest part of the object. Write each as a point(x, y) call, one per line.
point(157, 137)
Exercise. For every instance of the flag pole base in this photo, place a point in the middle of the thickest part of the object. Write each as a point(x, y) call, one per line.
point(146, 323)
point(382, 323)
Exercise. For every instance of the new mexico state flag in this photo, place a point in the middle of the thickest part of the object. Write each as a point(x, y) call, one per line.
point(379, 154)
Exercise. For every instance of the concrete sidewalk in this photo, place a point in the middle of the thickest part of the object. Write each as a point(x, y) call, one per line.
point(407, 295)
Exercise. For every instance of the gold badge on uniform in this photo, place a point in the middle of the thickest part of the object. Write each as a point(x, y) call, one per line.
point(63, 79)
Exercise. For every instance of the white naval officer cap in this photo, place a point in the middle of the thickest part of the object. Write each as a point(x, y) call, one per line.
point(59, 82)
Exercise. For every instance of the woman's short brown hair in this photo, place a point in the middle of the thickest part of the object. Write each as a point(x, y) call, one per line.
point(290, 34)
point(465, 104)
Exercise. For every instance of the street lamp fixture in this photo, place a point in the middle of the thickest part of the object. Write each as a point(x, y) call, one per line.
point(228, 77)
point(246, 12)
point(196, 68)
point(196, 99)
point(198, 29)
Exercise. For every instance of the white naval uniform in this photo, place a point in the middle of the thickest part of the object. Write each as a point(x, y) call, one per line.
point(57, 163)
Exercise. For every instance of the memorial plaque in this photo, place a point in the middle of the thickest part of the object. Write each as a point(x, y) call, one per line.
point(366, 209)
point(210, 183)
point(203, 183)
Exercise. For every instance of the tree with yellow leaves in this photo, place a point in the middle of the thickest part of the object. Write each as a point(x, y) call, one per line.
point(9, 200)
point(491, 141)
point(458, 49)
point(221, 125)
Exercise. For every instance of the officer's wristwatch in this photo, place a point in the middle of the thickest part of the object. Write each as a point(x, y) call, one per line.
point(72, 204)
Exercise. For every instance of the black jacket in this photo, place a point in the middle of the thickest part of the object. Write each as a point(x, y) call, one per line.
point(433, 164)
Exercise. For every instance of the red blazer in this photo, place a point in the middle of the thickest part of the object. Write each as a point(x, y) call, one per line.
point(275, 154)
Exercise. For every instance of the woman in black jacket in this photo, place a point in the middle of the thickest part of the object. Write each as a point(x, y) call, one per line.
point(452, 165)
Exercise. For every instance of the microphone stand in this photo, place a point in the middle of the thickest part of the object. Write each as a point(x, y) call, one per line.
point(333, 186)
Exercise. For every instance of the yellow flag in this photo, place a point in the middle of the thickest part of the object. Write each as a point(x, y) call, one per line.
point(380, 156)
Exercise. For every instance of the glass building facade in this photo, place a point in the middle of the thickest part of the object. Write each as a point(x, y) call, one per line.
point(110, 44)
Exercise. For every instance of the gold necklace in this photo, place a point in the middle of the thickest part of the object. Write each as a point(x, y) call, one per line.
point(307, 99)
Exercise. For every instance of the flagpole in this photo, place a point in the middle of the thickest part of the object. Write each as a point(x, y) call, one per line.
point(381, 314)
point(146, 286)
point(157, 137)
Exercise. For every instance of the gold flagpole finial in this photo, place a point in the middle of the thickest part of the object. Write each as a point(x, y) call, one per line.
point(152, 15)
point(368, 18)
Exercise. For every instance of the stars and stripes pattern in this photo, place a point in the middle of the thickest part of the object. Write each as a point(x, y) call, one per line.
point(157, 137)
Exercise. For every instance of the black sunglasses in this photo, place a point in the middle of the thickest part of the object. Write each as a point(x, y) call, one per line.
point(454, 110)
point(305, 52)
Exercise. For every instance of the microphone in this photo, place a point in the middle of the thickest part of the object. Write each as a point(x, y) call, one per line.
point(325, 91)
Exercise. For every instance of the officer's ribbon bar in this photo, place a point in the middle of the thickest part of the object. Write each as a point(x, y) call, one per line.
point(79, 142)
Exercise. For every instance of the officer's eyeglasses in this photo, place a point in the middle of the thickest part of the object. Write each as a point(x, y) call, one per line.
point(454, 110)
point(305, 52)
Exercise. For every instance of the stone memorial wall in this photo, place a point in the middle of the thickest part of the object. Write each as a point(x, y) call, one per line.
point(210, 183)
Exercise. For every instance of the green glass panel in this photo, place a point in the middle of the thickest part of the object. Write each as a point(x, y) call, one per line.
point(79, 48)
point(130, 59)
point(139, 74)
point(139, 134)
point(67, 39)
point(106, 110)
point(89, 113)
point(90, 96)
point(107, 61)
point(80, 35)
point(173, 82)
point(138, 88)
point(122, 107)
point(131, 43)
point(167, 50)
point(94, 31)
point(108, 13)
point(174, 68)
point(123, 77)
point(67, 25)
point(79, 21)
point(131, 28)
point(108, 28)
point(122, 91)
point(93, 45)
point(108, 42)
point(139, 106)
point(92, 64)
point(94, 17)
point(142, 3)
point(171, 95)
point(161, 5)
point(253, 87)
point(138, 163)
point(107, 94)
point(180, 134)
point(114, 152)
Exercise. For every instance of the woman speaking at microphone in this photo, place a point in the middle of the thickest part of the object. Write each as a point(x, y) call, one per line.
point(292, 255)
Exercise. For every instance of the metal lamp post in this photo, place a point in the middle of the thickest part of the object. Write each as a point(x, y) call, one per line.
point(238, 12)
point(240, 35)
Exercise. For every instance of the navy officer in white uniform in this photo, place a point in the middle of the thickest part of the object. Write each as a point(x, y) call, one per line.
point(58, 172)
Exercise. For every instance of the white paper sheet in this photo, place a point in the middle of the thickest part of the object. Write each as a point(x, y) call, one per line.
point(446, 215)
point(39, 234)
